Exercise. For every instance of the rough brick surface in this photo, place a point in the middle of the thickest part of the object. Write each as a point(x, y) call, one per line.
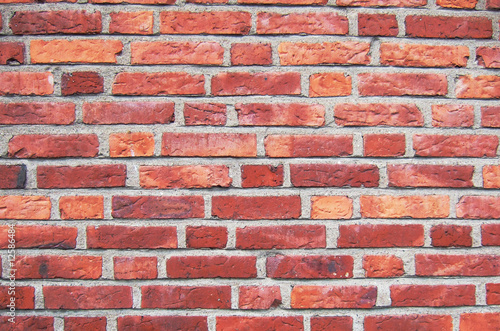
point(53, 146)
point(324, 297)
point(233, 207)
point(325, 175)
point(58, 113)
point(53, 266)
point(448, 27)
point(55, 22)
point(257, 297)
point(282, 237)
point(77, 323)
point(309, 267)
point(383, 266)
point(432, 295)
point(82, 297)
point(409, 322)
point(82, 83)
point(75, 51)
point(378, 114)
point(211, 267)
point(81, 176)
point(128, 112)
point(292, 114)
point(402, 84)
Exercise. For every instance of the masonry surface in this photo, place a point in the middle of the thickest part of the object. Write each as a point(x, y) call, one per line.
point(251, 164)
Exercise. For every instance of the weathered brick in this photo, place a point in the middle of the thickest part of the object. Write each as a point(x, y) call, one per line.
point(377, 25)
point(429, 175)
point(479, 321)
point(331, 207)
point(24, 297)
point(251, 54)
point(93, 176)
point(457, 265)
point(455, 146)
point(374, 114)
point(33, 113)
point(261, 83)
point(209, 144)
point(281, 237)
point(330, 84)
point(81, 207)
point(13, 176)
point(409, 322)
point(140, 2)
point(206, 236)
point(24, 207)
point(332, 323)
point(451, 236)
point(57, 266)
point(480, 87)
point(284, 2)
point(186, 297)
point(334, 175)
point(452, 116)
point(382, 3)
point(492, 4)
point(132, 323)
point(87, 297)
point(265, 207)
point(135, 267)
point(348, 52)
point(381, 235)
point(462, 4)
point(158, 83)
point(383, 266)
point(490, 117)
point(11, 52)
point(261, 175)
point(40, 236)
point(189, 176)
point(490, 235)
point(308, 145)
point(478, 207)
point(385, 206)
point(131, 144)
point(82, 323)
point(416, 55)
point(492, 294)
point(491, 176)
point(280, 114)
point(53, 146)
point(26, 83)
point(123, 22)
point(55, 22)
point(320, 23)
point(157, 207)
point(400, 84)
point(129, 237)
point(309, 267)
point(22, 323)
point(282, 323)
point(384, 145)
point(433, 295)
point(333, 297)
point(205, 113)
point(84, 82)
point(177, 52)
point(464, 27)
point(488, 57)
point(75, 51)
point(212, 267)
point(128, 112)
point(213, 22)
point(259, 297)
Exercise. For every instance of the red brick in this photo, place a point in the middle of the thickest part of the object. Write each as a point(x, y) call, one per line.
point(133, 323)
point(493, 294)
point(53, 146)
point(75, 51)
point(409, 322)
point(131, 144)
point(84, 82)
point(374, 114)
point(333, 297)
point(479, 321)
point(492, 4)
point(212, 267)
point(330, 84)
point(457, 265)
point(490, 117)
point(86, 297)
point(385, 206)
point(384, 145)
point(309, 267)
point(24, 297)
point(284, 2)
point(490, 234)
point(331, 323)
point(478, 207)
point(455, 146)
point(135, 267)
point(463, 4)
point(13, 176)
point(58, 113)
point(448, 27)
point(488, 57)
point(24, 207)
point(11, 52)
point(491, 176)
point(334, 175)
point(381, 235)
point(85, 323)
point(383, 266)
point(261, 83)
point(377, 25)
point(129, 237)
point(302, 23)
point(347, 52)
point(23, 323)
point(452, 116)
point(57, 266)
point(247, 54)
point(259, 297)
point(157, 207)
point(81, 176)
point(451, 236)
point(209, 144)
point(81, 207)
point(189, 176)
point(281, 237)
point(248, 208)
point(308, 145)
point(158, 83)
point(261, 175)
point(26, 83)
point(205, 2)
point(177, 52)
point(186, 297)
point(416, 55)
point(213, 22)
point(128, 112)
point(400, 84)
point(282, 323)
point(40, 236)
point(480, 87)
point(280, 114)
point(428, 175)
point(140, 2)
point(205, 114)
point(433, 295)
point(382, 3)
point(56, 22)
point(331, 207)
point(206, 236)
point(123, 22)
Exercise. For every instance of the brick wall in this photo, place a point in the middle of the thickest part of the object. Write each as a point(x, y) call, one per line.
point(251, 164)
